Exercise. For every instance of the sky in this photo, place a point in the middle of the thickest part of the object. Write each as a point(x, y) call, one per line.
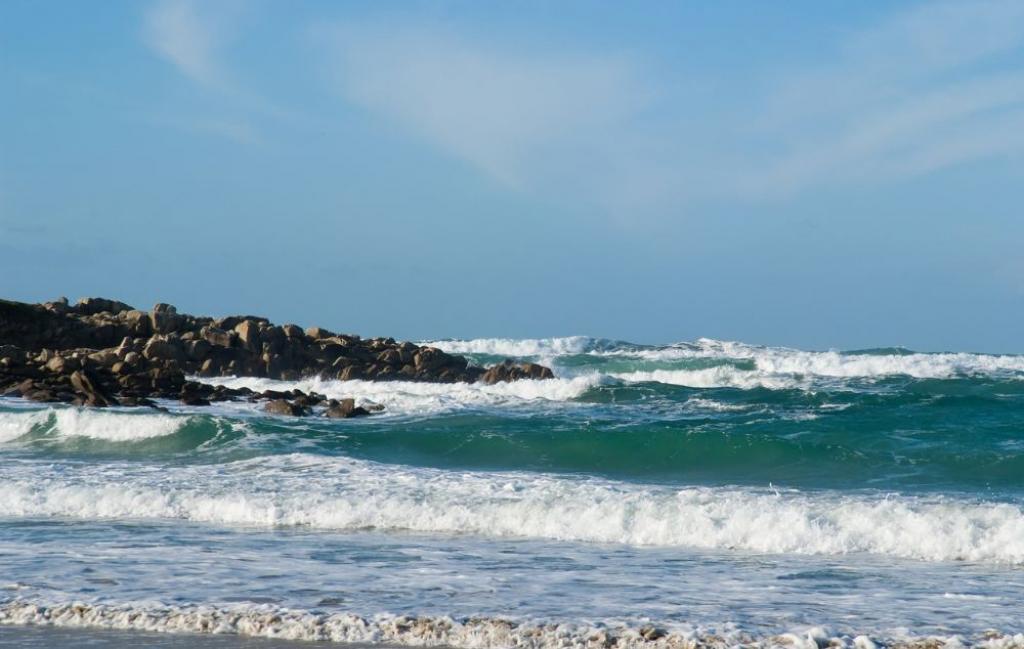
point(816, 174)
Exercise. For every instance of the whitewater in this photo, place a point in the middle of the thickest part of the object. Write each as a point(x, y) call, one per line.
point(698, 493)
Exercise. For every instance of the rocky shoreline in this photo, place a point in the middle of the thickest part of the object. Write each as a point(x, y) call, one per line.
point(102, 352)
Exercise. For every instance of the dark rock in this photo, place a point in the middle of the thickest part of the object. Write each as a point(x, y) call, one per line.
point(138, 323)
point(44, 395)
point(318, 333)
point(197, 350)
point(216, 336)
point(248, 334)
point(508, 371)
point(196, 394)
point(164, 318)
point(164, 347)
point(283, 407)
point(275, 394)
point(86, 387)
point(94, 305)
point(344, 409)
point(429, 358)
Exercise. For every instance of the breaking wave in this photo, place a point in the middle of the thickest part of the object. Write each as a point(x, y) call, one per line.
point(348, 494)
point(416, 398)
point(70, 422)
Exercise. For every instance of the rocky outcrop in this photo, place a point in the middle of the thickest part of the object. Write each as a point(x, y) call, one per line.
point(509, 371)
point(100, 352)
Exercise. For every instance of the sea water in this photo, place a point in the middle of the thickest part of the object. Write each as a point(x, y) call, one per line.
point(706, 492)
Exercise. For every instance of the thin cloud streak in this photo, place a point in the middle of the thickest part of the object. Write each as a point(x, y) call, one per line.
point(193, 37)
point(925, 90)
point(176, 31)
point(501, 111)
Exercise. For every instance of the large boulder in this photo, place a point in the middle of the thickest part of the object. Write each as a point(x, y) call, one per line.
point(509, 371)
point(430, 358)
point(217, 336)
point(164, 318)
point(344, 409)
point(138, 322)
point(163, 347)
point(284, 407)
point(317, 333)
point(94, 305)
point(86, 386)
point(248, 335)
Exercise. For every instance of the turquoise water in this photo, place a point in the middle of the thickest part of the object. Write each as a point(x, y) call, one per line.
point(701, 487)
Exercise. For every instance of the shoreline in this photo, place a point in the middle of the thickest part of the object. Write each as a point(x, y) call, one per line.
point(262, 622)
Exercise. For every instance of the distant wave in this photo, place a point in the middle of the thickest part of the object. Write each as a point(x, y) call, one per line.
point(347, 494)
point(518, 347)
point(741, 365)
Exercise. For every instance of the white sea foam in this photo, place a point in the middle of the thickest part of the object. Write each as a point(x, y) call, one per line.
point(18, 424)
point(773, 366)
point(786, 361)
point(715, 406)
point(348, 494)
point(84, 422)
point(433, 631)
point(517, 347)
point(115, 427)
point(722, 376)
point(419, 398)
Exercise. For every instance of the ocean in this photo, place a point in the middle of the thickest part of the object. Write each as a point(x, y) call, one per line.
point(705, 493)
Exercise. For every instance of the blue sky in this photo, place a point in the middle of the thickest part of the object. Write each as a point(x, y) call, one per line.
point(815, 174)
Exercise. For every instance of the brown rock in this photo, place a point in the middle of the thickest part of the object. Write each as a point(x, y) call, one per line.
point(390, 357)
point(351, 373)
point(283, 407)
point(216, 336)
point(196, 350)
point(139, 323)
point(163, 347)
point(104, 357)
point(344, 409)
point(508, 371)
point(95, 305)
point(317, 333)
point(86, 387)
point(248, 334)
point(429, 358)
point(164, 318)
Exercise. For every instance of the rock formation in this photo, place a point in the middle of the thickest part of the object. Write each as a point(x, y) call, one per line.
point(102, 352)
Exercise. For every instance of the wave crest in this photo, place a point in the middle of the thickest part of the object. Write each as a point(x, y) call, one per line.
point(348, 494)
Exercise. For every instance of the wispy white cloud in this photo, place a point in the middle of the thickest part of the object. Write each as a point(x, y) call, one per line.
point(181, 34)
point(194, 37)
point(928, 88)
point(526, 119)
